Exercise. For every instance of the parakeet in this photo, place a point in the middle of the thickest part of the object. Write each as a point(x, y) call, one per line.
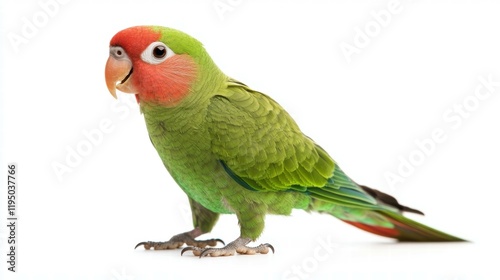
point(234, 150)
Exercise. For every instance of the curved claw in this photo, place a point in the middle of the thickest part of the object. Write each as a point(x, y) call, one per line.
point(205, 252)
point(220, 240)
point(269, 246)
point(190, 248)
point(141, 243)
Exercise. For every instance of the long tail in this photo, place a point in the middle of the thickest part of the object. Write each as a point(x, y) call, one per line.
point(404, 229)
point(372, 210)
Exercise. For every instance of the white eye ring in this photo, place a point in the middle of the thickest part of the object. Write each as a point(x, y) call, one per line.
point(156, 53)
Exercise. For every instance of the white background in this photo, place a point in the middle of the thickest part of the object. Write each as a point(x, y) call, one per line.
point(367, 113)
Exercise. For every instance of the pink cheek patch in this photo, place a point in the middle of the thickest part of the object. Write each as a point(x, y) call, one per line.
point(166, 83)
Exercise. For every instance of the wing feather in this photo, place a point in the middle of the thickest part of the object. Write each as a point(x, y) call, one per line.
point(261, 144)
point(262, 148)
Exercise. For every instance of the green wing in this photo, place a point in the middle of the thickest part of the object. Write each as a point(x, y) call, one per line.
point(263, 149)
point(260, 145)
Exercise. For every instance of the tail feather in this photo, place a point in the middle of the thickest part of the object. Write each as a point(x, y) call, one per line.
point(389, 200)
point(378, 230)
point(405, 229)
point(371, 210)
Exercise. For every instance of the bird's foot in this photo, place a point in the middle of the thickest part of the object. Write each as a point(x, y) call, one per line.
point(178, 240)
point(237, 246)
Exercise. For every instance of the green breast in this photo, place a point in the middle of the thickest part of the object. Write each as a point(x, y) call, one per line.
point(182, 141)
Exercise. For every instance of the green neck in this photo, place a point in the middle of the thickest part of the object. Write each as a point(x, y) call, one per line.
point(177, 119)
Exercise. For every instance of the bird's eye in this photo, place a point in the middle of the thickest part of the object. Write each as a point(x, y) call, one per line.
point(156, 53)
point(159, 51)
point(118, 52)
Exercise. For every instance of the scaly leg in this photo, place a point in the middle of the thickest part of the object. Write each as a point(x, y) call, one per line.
point(237, 246)
point(203, 221)
point(251, 221)
point(180, 239)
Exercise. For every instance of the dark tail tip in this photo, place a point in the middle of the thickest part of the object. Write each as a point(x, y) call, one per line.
point(389, 200)
point(410, 210)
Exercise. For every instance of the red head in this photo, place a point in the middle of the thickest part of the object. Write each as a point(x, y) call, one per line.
point(142, 62)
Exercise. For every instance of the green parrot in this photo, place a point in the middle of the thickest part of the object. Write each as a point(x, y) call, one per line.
point(234, 150)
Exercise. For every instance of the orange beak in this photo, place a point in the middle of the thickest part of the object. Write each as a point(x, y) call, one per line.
point(118, 74)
